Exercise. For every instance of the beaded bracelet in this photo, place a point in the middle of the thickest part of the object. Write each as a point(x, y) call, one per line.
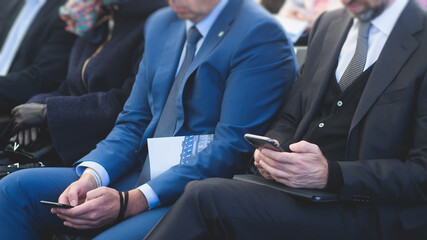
point(95, 175)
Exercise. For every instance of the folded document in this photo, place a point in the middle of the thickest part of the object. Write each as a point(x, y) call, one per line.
point(308, 194)
point(166, 152)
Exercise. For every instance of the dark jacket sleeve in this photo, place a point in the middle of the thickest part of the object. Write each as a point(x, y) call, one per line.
point(45, 72)
point(78, 123)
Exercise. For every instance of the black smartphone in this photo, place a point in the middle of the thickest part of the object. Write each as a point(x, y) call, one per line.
point(261, 141)
point(55, 204)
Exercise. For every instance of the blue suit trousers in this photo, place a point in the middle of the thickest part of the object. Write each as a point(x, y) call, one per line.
point(25, 218)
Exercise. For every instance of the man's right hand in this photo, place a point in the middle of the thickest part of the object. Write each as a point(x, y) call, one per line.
point(75, 194)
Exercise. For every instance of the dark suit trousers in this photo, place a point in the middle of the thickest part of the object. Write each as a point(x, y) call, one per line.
point(231, 209)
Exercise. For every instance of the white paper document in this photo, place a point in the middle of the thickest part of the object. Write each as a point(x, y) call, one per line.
point(166, 152)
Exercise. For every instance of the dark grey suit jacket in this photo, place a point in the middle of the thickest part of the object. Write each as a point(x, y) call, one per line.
point(386, 153)
point(42, 59)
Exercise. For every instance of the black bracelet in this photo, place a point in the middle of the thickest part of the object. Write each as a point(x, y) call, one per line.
point(121, 212)
point(125, 205)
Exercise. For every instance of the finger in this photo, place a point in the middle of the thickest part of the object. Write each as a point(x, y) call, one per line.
point(280, 157)
point(304, 147)
point(256, 164)
point(21, 137)
point(63, 198)
point(34, 133)
point(13, 138)
point(75, 219)
point(95, 193)
point(14, 111)
point(27, 138)
point(78, 212)
point(265, 174)
point(80, 224)
point(88, 211)
point(257, 156)
point(73, 196)
point(277, 174)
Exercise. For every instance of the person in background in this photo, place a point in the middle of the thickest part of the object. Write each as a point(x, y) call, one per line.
point(272, 6)
point(221, 67)
point(355, 124)
point(422, 3)
point(307, 11)
point(103, 64)
point(34, 51)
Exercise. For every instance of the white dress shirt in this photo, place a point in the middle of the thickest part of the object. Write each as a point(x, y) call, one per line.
point(203, 27)
point(378, 35)
point(17, 33)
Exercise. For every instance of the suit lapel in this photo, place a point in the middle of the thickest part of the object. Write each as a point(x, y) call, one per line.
point(325, 66)
point(397, 50)
point(165, 75)
point(215, 35)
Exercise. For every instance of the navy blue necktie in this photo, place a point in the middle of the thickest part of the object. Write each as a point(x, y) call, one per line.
point(167, 121)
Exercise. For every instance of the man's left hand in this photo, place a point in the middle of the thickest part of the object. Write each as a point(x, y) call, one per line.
point(101, 207)
point(304, 167)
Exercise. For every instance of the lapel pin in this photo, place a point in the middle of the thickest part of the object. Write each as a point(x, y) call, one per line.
point(220, 34)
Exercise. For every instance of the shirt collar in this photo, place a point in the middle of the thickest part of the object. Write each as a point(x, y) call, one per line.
point(385, 22)
point(205, 24)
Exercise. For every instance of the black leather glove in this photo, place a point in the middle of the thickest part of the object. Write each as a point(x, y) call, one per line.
point(28, 115)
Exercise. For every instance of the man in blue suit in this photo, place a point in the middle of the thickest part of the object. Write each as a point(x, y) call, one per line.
point(227, 76)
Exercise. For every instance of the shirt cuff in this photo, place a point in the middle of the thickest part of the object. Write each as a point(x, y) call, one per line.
point(151, 196)
point(103, 174)
point(335, 178)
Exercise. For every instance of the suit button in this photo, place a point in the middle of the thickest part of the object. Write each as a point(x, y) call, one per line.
point(321, 125)
point(339, 103)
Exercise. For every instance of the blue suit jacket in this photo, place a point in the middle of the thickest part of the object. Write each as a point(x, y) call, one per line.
point(237, 82)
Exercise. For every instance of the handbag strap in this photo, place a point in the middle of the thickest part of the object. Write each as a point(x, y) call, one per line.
point(6, 170)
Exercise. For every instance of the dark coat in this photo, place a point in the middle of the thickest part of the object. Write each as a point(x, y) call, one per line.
point(41, 62)
point(82, 112)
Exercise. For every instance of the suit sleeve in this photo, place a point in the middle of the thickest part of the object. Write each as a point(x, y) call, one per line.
point(123, 141)
point(45, 72)
point(262, 71)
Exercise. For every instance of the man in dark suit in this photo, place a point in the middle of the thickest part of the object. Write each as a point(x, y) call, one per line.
point(363, 137)
point(209, 67)
point(41, 57)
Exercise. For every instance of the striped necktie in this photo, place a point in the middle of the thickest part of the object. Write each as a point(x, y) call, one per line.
point(357, 62)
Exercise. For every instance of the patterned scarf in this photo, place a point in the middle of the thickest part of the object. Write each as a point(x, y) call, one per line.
point(81, 15)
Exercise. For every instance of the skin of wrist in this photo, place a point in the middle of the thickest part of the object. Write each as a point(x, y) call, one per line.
point(87, 177)
point(137, 203)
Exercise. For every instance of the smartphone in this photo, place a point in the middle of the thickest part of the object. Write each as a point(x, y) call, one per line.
point(55, 204)
point(261, 141)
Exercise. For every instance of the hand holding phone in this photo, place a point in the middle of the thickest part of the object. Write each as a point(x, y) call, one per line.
point(55, 204)
point(261, 141)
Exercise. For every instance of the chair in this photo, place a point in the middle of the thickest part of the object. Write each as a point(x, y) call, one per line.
point(301, 53)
